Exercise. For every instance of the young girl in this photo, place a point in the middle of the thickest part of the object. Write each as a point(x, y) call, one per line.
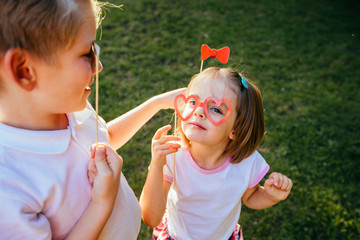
point(203, 182)
point(47, 126)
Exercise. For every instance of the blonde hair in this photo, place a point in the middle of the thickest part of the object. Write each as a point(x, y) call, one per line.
point(249, 125)
point(42, 27)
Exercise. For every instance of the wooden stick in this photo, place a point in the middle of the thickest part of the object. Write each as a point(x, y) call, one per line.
point(97, 97)
point(175, 132)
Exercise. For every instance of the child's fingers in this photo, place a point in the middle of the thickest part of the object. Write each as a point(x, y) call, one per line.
point(268, 182)
point(92, 151)
point(114, 160)
point(284, 185)
point(101, 159)
point(169, 151)
point(281, 180)
point(275, 177)
point(165, 142)
point(161, 147)
point(168, 97)
point(290, 185)
point(167, 139)
point(92, 167)
point(161, 132)
point(91, 170)
point(91, 177)
point(287, 185)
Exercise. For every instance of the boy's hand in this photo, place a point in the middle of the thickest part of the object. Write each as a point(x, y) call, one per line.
point(161, 146)
point(104, 172)
point(278, 186)
point(167, 99)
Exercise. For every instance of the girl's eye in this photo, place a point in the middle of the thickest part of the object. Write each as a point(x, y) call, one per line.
point(216, 110)
point(191, 103)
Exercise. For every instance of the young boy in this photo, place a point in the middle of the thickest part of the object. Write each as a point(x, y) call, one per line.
point(47, 127)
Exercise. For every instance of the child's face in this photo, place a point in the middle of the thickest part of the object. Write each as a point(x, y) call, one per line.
point(199, 128)
point(65, 86)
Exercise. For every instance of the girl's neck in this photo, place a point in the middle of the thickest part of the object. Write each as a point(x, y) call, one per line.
point(207, 157)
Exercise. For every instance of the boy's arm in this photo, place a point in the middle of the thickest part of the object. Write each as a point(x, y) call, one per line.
point(275, 189)
point(154, 195)
point(125, 126)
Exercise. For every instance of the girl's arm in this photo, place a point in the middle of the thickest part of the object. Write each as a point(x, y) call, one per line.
point(275, 189)
point(154, 194)
point(125, 126)
point(105, 187)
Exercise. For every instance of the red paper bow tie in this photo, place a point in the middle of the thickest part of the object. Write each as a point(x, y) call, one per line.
point(221, 54)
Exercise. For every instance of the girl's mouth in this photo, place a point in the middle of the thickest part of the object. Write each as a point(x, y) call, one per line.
point(196, 125)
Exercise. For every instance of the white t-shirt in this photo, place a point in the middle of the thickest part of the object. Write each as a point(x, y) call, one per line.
point(44, 187)
point(206, 204)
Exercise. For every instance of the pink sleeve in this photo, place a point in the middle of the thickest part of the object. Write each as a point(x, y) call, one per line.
point(168, 178)
point(259, 177)
point(258, 170)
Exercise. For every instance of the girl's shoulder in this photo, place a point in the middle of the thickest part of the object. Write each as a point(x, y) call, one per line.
point(254, 167)
point(253, 158)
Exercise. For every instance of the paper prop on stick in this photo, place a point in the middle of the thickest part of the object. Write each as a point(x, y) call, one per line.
point(221, 54)
point(95, 61)
point(217, 111)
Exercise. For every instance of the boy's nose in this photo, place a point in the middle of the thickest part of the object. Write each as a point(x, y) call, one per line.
point(100, 67)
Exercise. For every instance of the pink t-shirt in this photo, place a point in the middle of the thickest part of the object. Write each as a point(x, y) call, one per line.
point(44, 187)
point(206, 204)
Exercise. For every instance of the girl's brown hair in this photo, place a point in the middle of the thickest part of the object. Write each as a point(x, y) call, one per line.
point(249, 125)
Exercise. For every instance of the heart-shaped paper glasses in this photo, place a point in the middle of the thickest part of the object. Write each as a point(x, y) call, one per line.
point(217, 111)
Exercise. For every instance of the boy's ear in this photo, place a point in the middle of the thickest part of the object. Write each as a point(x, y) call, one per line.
point(17, 63)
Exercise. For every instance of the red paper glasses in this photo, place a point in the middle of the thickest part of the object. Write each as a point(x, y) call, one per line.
point(217, 111)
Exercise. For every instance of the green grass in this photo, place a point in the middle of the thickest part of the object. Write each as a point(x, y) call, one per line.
point(304, 55)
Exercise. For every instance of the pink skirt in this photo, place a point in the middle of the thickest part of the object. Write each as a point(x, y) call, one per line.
point(161, 232)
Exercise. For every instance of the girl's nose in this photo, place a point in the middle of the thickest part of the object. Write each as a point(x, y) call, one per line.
point(199, 112)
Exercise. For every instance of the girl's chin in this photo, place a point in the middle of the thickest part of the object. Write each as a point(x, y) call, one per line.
point(192, 136)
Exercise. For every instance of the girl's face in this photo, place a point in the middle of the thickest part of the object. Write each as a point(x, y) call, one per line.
point(64, 87)
point(199, 128)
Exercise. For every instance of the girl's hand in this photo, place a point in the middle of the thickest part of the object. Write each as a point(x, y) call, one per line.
point(161, 146)
point(166, 100)
point(278, 186)
point(104, 172)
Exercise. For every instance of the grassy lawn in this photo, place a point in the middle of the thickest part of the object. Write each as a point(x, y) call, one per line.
point(304, 55)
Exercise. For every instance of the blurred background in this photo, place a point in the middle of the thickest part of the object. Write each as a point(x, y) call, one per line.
point(304, 56)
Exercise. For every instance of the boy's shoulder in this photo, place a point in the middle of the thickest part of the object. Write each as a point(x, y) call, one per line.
point(16, 140)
